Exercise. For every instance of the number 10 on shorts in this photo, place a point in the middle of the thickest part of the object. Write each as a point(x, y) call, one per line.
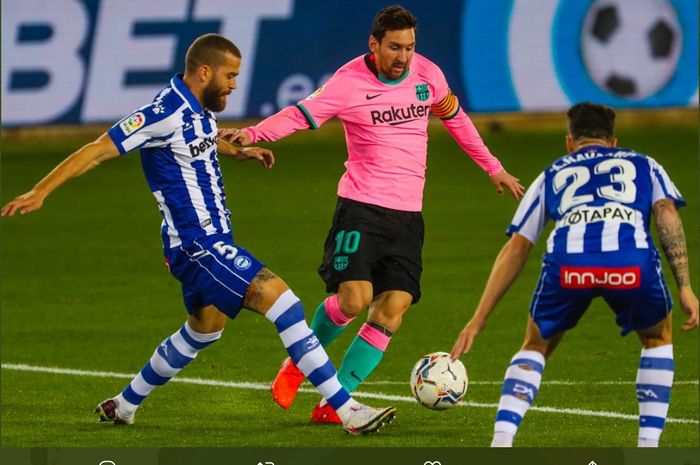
point(347, 242)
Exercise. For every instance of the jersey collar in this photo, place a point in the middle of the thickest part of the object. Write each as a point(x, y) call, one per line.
point(369, 61)
point(183, 91)
point(588, 147)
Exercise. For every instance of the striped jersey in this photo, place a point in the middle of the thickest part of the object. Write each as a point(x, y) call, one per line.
point(599, 198)
point(177, 139)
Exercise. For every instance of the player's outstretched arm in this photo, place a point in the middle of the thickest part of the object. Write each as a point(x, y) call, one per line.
point(272, 128)
point(506, 268)
point(463, 131)
point(264, 156)
point(672, 239)
point(84, 159)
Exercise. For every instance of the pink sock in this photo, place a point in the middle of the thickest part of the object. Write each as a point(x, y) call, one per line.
point(334, 313)
point(374, 337)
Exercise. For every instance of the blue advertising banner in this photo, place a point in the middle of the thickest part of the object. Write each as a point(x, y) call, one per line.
point(85, 61)
point(547, 54)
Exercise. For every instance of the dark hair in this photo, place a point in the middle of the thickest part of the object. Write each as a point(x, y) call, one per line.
point(591, 121)
point(392, 18)
point(209, 49)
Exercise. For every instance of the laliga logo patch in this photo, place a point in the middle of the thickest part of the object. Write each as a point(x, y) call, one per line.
point(315, 93)
point(242, 262)
point(132, 123)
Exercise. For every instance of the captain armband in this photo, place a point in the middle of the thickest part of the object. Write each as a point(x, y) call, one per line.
point(446, 108)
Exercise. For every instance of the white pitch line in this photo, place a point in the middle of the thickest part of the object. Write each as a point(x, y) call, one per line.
point(359, 394)
point(557, 382)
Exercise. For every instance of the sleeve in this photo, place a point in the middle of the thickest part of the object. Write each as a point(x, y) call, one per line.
point(149, 126)
point(328, 100)
point(661, 185)
point(279, 125)
point(460, 126)
point(310, 113)
point(530, 217)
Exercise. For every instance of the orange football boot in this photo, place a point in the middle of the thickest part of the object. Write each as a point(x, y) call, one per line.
point(325, 414)
point(286, 383)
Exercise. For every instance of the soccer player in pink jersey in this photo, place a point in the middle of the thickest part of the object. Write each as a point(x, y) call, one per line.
point(372, 254)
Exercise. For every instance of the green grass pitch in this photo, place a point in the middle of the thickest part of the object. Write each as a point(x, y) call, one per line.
point(84, 287)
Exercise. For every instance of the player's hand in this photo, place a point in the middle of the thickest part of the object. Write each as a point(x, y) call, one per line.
point(264, 156)
point(235, 136)
point(503, 179)
point(25, 203)
point(466, 337)
point(689, 305)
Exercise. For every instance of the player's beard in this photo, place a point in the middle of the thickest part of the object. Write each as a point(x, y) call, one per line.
point(214, 97)
point(397, 73)
point(388, 70)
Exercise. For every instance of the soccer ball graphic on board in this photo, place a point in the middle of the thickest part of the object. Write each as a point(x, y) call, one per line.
point(630, 48)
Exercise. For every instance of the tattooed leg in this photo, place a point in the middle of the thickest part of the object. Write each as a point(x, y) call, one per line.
point(263, 291)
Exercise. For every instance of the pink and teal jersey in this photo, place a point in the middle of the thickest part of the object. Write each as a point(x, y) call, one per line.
point(386, 129)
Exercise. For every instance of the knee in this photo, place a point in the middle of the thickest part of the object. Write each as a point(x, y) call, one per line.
point(351, 306)
point(352, 303)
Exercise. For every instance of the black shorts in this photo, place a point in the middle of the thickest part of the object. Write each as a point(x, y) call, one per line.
point(371, 243)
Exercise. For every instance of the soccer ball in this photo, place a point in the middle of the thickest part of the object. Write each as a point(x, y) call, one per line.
point(438, 382)
point(631, 47)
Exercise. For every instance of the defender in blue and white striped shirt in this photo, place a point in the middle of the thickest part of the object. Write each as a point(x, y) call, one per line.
point(601, 199)
point(178, 142)
point(178, 138)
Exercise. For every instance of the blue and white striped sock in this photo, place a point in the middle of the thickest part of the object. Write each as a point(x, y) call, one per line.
point(171, 356)
point(654, 380)
point(303, 347)
point(519, 390)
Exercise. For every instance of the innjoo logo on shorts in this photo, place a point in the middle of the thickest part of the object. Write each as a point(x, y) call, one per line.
point(587, 277)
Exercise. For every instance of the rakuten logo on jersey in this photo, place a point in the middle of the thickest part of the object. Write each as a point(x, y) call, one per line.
point(589, 277)
point(395, 116)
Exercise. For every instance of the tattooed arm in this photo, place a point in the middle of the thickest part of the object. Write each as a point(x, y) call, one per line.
point(672, 238)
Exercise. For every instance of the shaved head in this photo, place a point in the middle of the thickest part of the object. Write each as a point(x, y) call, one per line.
point(209, 50)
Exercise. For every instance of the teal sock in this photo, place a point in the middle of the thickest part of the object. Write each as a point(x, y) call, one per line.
point(325, 329)
point(360, 360)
